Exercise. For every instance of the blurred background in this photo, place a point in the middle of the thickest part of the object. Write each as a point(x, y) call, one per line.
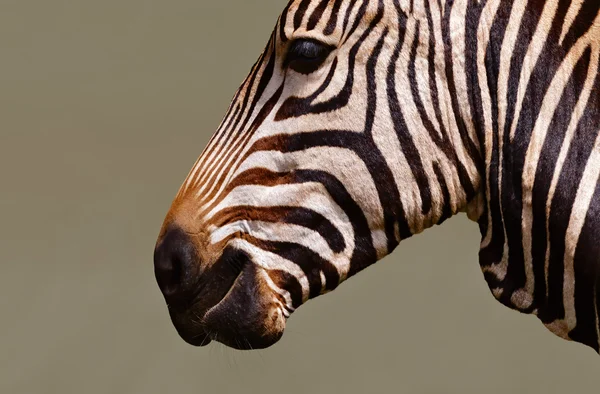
point(104, 107)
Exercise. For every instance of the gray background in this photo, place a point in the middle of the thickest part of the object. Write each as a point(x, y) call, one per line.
point(104, 107)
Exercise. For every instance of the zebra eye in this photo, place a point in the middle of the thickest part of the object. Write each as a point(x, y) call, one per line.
point(306, 56)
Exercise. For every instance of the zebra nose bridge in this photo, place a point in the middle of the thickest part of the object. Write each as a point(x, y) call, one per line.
point(183, 214)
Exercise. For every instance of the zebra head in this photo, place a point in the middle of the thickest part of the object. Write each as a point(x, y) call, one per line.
point(341, 142)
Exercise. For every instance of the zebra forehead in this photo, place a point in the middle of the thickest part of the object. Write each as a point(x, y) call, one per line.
point(327, 16)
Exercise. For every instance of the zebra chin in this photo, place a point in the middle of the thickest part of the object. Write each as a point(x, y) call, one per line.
point(227, 301)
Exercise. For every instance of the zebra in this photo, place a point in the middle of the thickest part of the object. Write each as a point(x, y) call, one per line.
point(365, 122)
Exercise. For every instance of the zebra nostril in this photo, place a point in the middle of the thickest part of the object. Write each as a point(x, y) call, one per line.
point(173, 262)
point(168, 274)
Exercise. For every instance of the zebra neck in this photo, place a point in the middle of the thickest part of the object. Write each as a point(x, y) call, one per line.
point(538, 116)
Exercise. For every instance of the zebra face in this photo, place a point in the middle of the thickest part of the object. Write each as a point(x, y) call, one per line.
point(298, 188)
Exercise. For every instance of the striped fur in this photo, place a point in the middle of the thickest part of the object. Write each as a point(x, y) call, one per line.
point(424, 109)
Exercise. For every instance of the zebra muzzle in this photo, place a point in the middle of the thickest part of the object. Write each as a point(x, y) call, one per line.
point(227, 300)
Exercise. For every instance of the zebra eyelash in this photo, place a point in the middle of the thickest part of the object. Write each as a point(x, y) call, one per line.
point(306, 56)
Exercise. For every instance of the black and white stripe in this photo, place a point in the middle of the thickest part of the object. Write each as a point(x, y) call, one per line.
point(405, 113)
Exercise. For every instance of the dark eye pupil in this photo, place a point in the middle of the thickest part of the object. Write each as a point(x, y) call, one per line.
point(306, 56)
point(308, 50)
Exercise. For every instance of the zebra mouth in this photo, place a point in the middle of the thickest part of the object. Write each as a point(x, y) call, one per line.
point(242, 315)
point(203, 338)
point(200, 293)
point(200, 340)
point(189, 329)
point(247, 317)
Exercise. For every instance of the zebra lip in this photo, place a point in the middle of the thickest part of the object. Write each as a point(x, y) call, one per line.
point(198, 340)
